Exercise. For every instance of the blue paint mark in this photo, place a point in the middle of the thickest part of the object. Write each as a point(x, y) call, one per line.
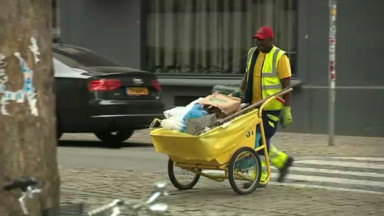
point(19, 96)
point(23, 66)
point(28, 85)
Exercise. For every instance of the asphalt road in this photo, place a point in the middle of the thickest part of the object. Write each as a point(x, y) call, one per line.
point(93, 154)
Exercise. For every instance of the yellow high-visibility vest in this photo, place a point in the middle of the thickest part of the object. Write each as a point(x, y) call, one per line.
point(270, 81)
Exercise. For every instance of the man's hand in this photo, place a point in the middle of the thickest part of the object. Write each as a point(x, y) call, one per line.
point(286, 116)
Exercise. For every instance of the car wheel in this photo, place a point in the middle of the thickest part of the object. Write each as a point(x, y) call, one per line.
point(114, 136)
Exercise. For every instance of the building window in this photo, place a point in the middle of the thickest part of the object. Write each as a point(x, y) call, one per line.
point(212, 36)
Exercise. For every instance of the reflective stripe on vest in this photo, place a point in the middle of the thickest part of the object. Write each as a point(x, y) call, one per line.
point(274, 67)
point(269, 77)
point(277, 86)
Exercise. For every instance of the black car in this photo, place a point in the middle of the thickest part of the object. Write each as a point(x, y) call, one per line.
point(97, 95)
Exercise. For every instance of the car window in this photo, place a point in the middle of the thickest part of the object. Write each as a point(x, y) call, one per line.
point(62, 70)
point(67, 61)
point(76, 57)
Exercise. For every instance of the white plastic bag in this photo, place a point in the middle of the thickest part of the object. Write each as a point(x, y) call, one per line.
point(180, 111)
point(177, 112)
point(174, 117)
point(172, 124)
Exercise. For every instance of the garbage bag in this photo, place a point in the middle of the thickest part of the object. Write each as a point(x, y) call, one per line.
point(227, 104)
point(196, 111)
point(172, 124)
point(175, 117)
point(180, 111)
point(196, 126)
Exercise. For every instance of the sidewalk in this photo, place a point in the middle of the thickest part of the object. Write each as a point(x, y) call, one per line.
point(96, 186)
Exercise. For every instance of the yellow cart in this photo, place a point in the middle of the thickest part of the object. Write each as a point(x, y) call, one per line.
point(228, 151)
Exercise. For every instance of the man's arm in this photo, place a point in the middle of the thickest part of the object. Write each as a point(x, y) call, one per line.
point(284, 71)
point(287, 97)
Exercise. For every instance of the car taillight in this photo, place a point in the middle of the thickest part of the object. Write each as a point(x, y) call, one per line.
point(156, 84)
point(104, 85)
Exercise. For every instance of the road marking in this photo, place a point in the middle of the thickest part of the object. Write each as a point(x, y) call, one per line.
point(327, 171)
point(309, 178)
point(330, 171)
point(335, 178)
point(342, 164)
point(378, 159)
point(324, 187)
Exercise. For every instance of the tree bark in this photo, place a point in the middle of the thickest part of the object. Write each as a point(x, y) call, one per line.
point(27, 104)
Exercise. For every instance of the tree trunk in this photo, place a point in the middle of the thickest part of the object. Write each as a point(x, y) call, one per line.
point(27, 104)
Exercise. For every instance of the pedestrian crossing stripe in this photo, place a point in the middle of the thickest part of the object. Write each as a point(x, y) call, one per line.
point(330, 174)
point(324, 187)
point(377, 159)
point(332, 171)
point(314, 176)
point(342, 164)
point(310, 178)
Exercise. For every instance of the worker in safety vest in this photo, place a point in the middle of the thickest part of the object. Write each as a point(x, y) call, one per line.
point(268, 72)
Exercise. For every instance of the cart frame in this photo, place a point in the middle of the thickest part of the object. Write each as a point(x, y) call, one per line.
point(198, 168)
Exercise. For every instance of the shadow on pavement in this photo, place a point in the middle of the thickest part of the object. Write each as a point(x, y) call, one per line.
point(98, 144)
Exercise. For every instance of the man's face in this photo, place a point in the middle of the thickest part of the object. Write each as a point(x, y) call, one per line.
point(264, 45)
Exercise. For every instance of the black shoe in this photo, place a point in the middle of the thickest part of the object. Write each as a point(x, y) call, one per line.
point(248, 184)
point(284, 170)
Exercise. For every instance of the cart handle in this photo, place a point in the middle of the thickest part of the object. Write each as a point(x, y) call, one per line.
point(257, 104)
point(276, 96)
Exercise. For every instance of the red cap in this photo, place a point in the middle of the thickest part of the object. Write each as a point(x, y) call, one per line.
point(264, 33)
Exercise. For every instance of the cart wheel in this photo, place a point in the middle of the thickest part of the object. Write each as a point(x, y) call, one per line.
point(181, 178)
point(244, 163)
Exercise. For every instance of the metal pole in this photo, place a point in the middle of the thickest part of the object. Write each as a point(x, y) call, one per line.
point(332, 70)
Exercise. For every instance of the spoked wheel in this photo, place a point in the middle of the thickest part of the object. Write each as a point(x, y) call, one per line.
point(245, 166)
point(181, 178)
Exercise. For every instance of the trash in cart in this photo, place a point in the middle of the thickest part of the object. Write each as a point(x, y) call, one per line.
point(226, 104)
point(200, 115)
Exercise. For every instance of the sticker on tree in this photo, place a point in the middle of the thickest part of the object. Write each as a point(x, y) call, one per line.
point(28, 91)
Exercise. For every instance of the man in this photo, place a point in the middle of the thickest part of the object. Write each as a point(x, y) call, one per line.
point(268, 72)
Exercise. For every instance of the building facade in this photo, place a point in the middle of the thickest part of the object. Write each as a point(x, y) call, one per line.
point(193, 45)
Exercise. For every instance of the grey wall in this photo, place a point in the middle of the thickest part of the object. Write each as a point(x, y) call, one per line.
point(360, 75)
point(111, 28)
point(361, 43)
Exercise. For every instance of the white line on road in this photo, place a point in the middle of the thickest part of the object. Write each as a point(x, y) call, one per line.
point(342, 164)
point(330, 171)
point(316, 170)
point(378, 159)
point(309, 178)
point(324, 187)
